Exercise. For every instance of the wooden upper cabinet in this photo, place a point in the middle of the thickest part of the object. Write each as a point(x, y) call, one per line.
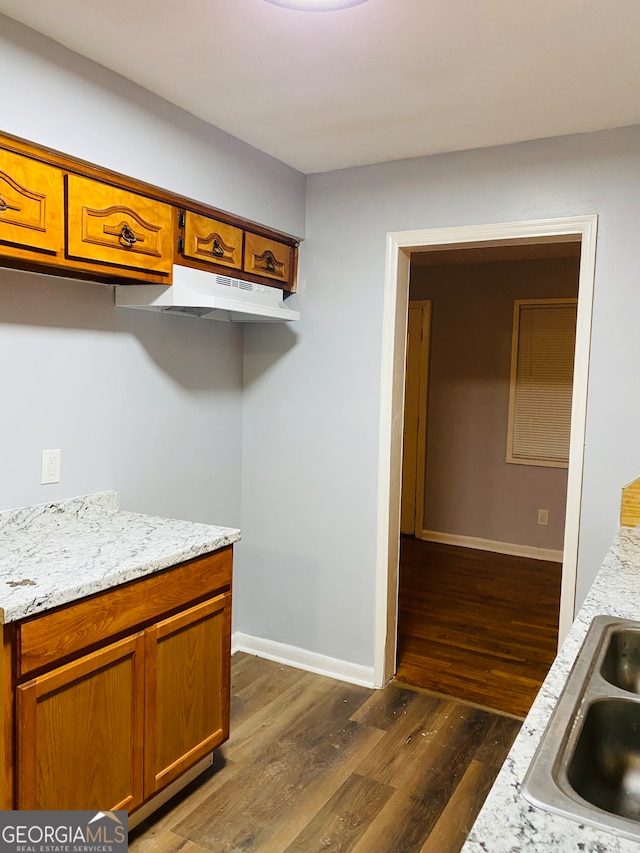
point(116, 228)
point(31, 208)
point(212, 241)
point(268, 258)
point(80, 221)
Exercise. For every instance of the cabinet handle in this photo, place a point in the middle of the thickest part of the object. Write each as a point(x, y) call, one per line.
point(270, 264)
point(127, 237)
point(4, 205)
point(217, 249)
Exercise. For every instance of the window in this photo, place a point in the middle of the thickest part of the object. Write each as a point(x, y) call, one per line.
point(543, 346)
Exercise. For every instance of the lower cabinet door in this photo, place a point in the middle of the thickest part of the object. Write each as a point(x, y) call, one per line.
point(187, 689)
point(80, 732)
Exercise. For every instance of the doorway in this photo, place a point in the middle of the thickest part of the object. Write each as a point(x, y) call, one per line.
point(479, 579)
point(400, 247)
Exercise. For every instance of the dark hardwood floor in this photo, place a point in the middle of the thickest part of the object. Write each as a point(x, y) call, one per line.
point(319, 766)
point(476, 625)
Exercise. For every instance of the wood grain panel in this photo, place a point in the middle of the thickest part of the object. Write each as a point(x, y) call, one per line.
point(7, 704)
point(415, 417)
point(87, 257)
point(630, 506)
point(267, 257)
point(303, 758)
point(213, 241)
point(118, 228)
point(31, 207)
point(57, 634)
point(80, 732)
point(337, 827)
point(187, 688)
point(476, 625)
point(75, 165)
point(319, 765)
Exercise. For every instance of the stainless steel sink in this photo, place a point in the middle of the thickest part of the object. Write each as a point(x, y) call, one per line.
point(621, 663)
point(587, 766)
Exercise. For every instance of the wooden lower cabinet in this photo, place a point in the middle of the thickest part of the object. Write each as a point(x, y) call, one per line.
point(109, 729)
point(80, 731)
point(187, 690)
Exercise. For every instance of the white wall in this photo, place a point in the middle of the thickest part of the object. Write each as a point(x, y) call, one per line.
point(147, 404)
point(311, 500)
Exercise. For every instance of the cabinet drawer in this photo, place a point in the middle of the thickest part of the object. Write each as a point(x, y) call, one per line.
point(31, 208)
point(117, 228)
point(267, 257)
point(211, 241)
point(62, 633)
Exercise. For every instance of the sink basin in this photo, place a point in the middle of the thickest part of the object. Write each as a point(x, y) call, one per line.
point(587, 766)
point(621, 663)
point(604, 768)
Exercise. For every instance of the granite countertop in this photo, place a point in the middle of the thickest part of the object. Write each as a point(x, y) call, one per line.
point(507, 823)
point(52, 554)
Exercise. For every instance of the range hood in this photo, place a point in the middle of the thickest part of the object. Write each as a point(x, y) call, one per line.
point(197, 293)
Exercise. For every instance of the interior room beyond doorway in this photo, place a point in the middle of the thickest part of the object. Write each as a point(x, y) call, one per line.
point(473, 498)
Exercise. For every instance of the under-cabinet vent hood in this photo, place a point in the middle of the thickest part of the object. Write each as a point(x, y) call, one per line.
point(197, 293)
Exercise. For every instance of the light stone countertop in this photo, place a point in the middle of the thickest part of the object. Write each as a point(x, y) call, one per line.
point(52, 554)
point(507, 823)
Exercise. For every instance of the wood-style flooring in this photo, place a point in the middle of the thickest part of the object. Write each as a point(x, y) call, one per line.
point(476, 625)
point(315, 765)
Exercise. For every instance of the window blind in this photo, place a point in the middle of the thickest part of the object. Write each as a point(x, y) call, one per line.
point(542, 382)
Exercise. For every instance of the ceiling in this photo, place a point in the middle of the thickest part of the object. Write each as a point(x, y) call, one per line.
point(384, 80)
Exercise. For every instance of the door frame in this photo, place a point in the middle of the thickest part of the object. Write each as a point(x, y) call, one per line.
point(400, 245)
point(422, 353)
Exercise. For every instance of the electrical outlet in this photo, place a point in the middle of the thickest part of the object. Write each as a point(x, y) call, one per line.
point(50, 466)
point(543, 516)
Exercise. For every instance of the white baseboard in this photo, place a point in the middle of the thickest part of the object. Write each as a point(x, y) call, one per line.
point(303, 659)
point(490, 545)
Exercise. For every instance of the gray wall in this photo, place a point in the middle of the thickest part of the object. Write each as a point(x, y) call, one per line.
point(146, 404)
point(54, 97)
point(160, 407)
point(470, 488)
point(312, 498)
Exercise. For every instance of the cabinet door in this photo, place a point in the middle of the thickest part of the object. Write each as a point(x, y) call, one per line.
point(80, 732)
point(267, 257)
point(187, 689)
point(119, 229)
point(211, 241)
point(31, 208)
